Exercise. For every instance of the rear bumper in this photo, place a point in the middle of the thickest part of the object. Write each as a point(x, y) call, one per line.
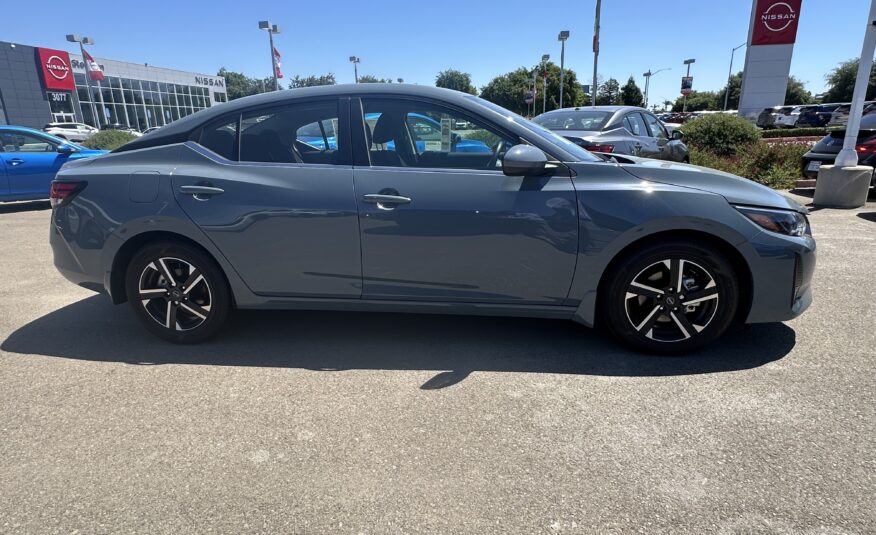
point(68, 265)
point(782, 269)
point(827, 159)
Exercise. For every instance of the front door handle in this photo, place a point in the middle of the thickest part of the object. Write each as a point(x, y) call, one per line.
point(385, 202)
point(201, 193)
point(15, 161)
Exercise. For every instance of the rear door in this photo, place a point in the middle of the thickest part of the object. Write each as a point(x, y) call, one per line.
point(442, 224)
point(31, 162)
point(277, 203)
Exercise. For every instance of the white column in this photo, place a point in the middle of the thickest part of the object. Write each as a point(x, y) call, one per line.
point(847, 156)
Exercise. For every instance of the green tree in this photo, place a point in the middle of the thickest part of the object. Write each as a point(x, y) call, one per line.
point(312, 80)
point(239, 85)
point(796, 92)
point(630, 94)
point(371, 79)
point(508, 89)
point(457, 80)
point(841, 82)
point(699, 101)
point(735, 87)
point(608, 93)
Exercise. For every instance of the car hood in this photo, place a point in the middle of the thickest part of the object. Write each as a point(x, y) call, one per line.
point(87, 153)
point(736, 190)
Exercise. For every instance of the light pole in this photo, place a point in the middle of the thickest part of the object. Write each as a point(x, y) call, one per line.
point(355, 61)
point(82, 42)
point(730, 76)
point(544, 60)
point(271, 29)
point(562, 39)
point(684, 102)
point(648, 76)
point(594, 87)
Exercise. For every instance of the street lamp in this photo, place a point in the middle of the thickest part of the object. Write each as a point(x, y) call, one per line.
point(82, 42)
point(564, 35)
point(544, 60)
point(355, 61)
point(648, 76)
point(271, 29)
point(730, 76)
point(684, 102)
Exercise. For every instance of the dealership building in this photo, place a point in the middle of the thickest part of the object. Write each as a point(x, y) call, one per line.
point(43, 85)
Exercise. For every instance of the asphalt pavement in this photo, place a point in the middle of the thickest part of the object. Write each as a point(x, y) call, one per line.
point(327, 422)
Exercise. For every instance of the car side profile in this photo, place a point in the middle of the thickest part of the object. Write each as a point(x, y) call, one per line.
point(29, 160)
point(228, 208)
point(617, 129)
point(70, 131)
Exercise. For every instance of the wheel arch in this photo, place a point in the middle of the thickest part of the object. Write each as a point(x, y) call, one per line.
point(734, 256)
point(126, 252)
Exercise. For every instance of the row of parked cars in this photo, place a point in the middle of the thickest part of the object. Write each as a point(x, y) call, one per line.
point(816, 115)
point(79, 132)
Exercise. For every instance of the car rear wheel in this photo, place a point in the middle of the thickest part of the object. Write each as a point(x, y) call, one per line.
point(178, 292)
point(671, 297)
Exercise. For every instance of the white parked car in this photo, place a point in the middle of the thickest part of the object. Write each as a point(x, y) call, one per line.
point(70, 131)
point(787, 118)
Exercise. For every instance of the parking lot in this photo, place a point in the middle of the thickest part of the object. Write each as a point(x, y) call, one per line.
point(382, 423)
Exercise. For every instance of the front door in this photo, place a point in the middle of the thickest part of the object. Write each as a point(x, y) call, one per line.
point(440, 221)
point(281, 207)
point(31, 162)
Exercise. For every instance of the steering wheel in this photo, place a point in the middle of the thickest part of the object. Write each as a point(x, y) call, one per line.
point(497, 148)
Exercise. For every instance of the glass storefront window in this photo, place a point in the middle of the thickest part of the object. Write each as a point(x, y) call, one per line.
point(114, 82)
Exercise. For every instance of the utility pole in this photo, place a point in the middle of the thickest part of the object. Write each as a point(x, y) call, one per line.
point(562, 38)
point(544, 60)
point(730, 76)
point(82, 42)
point(684, 102)
point(355, 61)
point(595, 53)
point(648, 76)
point(271, 29)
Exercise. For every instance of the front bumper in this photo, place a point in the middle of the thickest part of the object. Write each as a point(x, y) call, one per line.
point(782, 268)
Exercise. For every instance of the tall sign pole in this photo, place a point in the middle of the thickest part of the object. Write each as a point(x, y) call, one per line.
point(595, 53)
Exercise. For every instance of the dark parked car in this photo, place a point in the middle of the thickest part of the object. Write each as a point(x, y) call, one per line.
point(618, 130)
point(816, 116)
point(228, 208)
point(825, 151)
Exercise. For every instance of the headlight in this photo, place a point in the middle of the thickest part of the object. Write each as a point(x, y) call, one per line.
point(785, 222)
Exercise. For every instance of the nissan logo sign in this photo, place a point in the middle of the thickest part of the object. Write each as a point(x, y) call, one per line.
point(778, 17)
point(57, 67)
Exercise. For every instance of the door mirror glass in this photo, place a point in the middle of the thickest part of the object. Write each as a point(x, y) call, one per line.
point(66, 148)
point(524, 160)
point(677, 134)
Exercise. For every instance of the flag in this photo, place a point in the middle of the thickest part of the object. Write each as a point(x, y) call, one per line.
point(94, 70)
point(277, 63)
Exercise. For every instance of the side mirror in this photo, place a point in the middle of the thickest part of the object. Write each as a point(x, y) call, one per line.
point(524, 160)
point(66, 149)
point(677, 134)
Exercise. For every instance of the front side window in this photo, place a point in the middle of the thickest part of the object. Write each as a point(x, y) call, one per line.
point(656, 128)
point(634, 124)
point(22, 142)
point(302, 133)
point(407, 133)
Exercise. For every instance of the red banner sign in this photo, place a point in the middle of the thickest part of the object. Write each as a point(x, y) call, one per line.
point(55, 69)
point(775, 22)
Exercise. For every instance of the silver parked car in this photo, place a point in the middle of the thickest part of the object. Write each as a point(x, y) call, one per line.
point(617, 129)
point(70, 131)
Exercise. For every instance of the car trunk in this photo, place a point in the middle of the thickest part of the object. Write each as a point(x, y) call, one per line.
point(833, 142)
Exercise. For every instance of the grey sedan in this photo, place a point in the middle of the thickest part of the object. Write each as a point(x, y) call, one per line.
point(244, 206)
point(617, 129)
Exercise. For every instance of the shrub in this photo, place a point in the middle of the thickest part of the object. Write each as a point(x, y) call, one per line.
point(108, 139)
point(794, 132)
point(719, 133)
point(776, 165)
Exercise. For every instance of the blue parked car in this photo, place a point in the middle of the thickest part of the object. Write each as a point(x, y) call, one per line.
point(425, 130)
point(29, 160)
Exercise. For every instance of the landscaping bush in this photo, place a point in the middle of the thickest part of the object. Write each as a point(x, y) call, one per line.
point(776, 165)
point(108, 139)
point(720, 134)
point(795, 132)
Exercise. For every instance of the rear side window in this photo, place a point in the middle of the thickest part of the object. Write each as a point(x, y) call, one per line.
point(221, 137)
point(301, 133)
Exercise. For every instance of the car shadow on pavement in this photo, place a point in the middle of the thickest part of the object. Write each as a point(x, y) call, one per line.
point(24, 206)
point(868, 216)
point(93, 329)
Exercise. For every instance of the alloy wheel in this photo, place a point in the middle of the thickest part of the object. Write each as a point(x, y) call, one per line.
point(671, 300)
point(175, 294)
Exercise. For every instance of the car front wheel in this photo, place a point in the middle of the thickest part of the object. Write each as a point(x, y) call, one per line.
point(671, 297)
point(178, 292)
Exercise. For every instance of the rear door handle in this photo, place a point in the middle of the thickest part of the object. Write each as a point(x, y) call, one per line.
point(380, 199)
point(15, 161)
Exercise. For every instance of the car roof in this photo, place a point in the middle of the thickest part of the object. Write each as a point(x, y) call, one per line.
point(612, 109)
point(178, 130)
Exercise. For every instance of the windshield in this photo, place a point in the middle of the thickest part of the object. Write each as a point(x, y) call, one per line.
point(573, 120)
point(578, 154)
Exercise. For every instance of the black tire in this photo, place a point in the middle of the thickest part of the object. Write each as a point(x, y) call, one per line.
point(671, 321)
point(194, 314)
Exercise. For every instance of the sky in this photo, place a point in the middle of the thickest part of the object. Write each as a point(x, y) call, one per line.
point(415, 40)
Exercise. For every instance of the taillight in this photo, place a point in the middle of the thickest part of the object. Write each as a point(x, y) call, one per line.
point(867, 147)
point(599, 148)
point(63, 192)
